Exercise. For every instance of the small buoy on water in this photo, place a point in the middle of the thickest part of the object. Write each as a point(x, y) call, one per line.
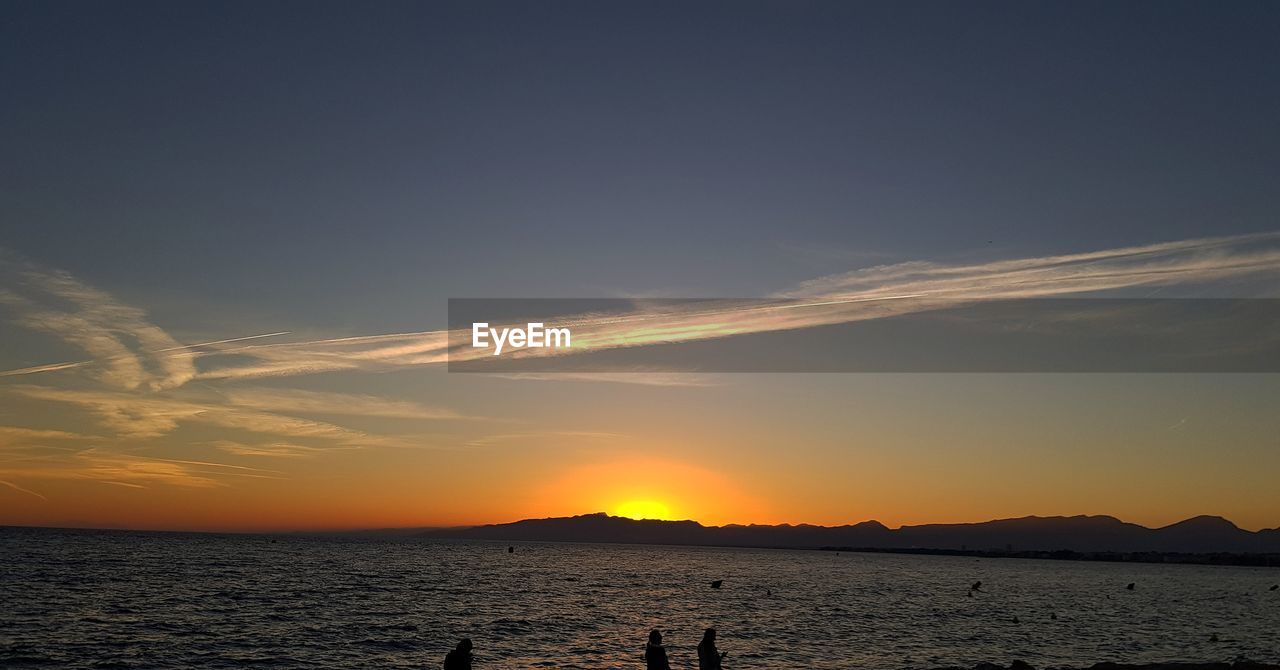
point(1053, 616)
point(1274, 587)
point(1130, 586)
point(511, 550)
point(716, 584)
point(1213, 638)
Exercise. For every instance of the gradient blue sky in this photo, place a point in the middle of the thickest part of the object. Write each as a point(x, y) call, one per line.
point(334, 169)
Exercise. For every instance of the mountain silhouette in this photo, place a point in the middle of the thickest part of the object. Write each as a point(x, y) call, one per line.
point(1085, 534)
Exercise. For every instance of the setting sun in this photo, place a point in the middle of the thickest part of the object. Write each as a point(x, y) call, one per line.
point(646, 488)
point(643, 509)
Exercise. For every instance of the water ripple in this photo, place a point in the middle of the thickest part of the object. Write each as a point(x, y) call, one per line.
point(86, 599)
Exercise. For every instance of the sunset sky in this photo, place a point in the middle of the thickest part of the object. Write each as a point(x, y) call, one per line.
point(229, 232)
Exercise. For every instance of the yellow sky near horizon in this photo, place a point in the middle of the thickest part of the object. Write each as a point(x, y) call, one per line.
point(946, 467)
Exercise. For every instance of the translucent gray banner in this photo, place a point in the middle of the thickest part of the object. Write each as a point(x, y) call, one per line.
point(864, 334)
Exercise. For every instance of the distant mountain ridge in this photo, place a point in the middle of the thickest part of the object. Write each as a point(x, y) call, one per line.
point(1197, 535)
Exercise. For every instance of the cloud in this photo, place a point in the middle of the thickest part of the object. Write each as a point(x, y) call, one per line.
point(126, 415)
point(129, 351)
point(317, 402)
point(272, 449)
point(120, 469)
point(52, 367)
point(870, 293)
point(1161, 264)
point(132, 470)
point(10, 435)
point(15, 487)
point(538, 436)
point(640, 377)
point(137, 417)
point(368, 353)
point(238, 470)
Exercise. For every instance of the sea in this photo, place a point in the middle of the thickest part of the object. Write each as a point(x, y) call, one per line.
point(120, 599)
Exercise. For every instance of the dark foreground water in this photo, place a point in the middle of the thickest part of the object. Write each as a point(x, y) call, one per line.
point(146, 600)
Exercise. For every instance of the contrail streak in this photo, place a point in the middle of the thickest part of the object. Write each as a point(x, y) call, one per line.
point(209, 464)
point(344, 340)
point(54, 367)
point(354, 339)
point(19, 488)
point(234, 339)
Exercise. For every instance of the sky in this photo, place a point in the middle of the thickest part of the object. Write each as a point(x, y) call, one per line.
point(184, 174)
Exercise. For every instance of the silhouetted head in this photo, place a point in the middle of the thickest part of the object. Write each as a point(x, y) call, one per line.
point(464, 644)
point(709, 635)
point(655, 637)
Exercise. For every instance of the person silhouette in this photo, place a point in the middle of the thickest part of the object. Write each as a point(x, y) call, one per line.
point(710, 658)
point(460, 657)
point(655, 655)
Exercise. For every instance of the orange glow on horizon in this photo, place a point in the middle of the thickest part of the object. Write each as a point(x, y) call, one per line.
point(648, 489)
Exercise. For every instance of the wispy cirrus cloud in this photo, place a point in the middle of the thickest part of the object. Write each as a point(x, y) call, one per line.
point(132, 470)
point(1194, 261)
point(10, 435)
point(638, 377)
point(130, 351)
point(870, 293)
point(348, 404)
point(905, 288)
point(135, 388)
point(125, 415)
point(273, 449)
point(539, 436)
point(368, 353)
point(138, 417)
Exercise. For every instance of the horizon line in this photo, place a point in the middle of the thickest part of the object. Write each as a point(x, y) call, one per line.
point(428, 527)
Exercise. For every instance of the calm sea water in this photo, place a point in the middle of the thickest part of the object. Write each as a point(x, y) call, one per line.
point(84, 599)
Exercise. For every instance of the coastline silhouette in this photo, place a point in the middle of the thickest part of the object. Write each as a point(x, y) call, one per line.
point(1201, 539)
